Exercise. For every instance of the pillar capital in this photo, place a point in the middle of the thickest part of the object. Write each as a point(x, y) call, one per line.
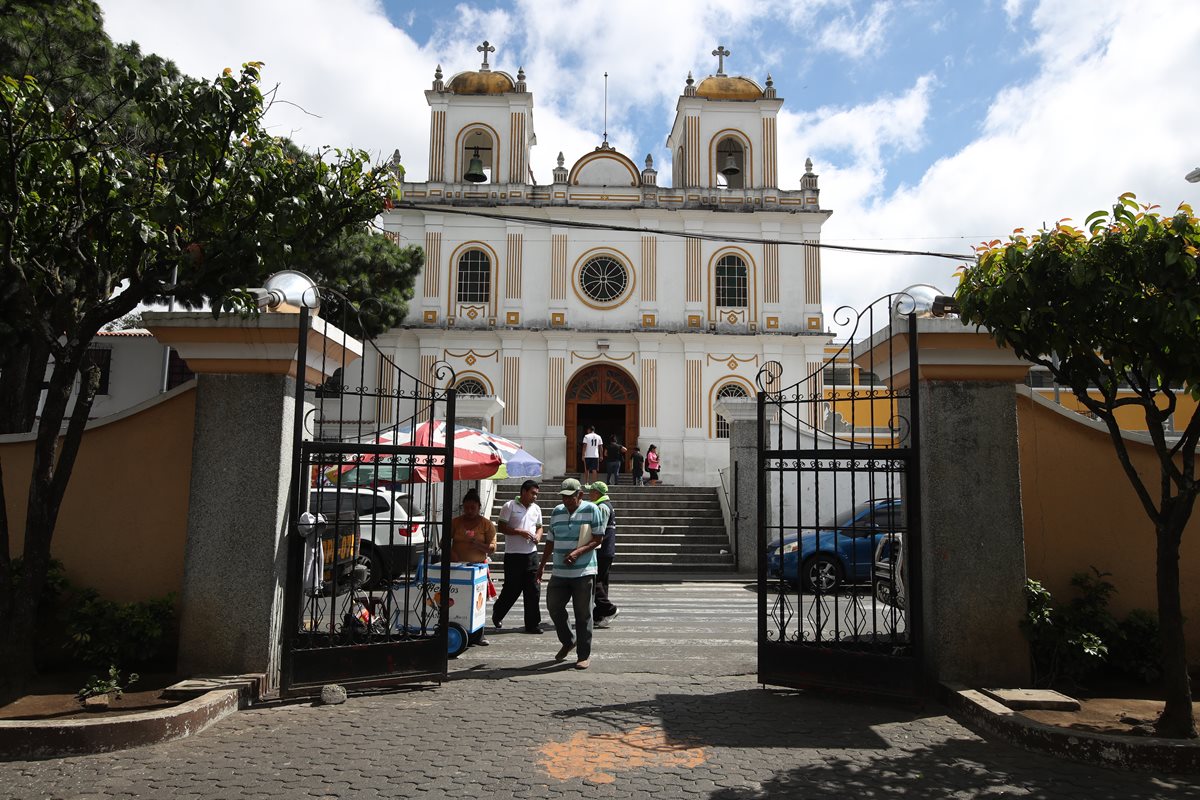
point(263, 344)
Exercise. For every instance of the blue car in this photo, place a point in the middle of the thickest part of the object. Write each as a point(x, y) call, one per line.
point(842, 551)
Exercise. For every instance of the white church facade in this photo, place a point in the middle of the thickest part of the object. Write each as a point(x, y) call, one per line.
point(603, 298)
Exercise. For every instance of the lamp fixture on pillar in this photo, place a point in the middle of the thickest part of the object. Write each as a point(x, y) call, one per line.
point(475, 168)
point(287, 290)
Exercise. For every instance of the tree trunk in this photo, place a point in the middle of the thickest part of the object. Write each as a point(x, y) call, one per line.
point(1176, 720)
point(21, 386)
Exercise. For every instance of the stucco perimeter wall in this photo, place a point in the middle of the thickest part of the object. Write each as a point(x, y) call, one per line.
point(123, 522)
point(1081, 511)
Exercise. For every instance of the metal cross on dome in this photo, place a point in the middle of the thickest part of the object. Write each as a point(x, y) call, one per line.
point(720, 53)
point(485, 48)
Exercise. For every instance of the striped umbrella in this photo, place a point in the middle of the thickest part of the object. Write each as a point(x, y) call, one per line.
point(477, 453)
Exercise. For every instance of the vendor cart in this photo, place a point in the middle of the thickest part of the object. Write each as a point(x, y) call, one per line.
point(415, 605)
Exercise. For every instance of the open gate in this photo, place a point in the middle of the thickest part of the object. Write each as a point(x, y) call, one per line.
point(838, 507)
point(369, 519)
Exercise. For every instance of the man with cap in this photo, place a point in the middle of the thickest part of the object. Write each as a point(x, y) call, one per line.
point(576, 530)
point(604, 610)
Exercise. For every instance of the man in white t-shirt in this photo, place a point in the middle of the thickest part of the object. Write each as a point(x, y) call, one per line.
point(521, 526)
point(591, 455)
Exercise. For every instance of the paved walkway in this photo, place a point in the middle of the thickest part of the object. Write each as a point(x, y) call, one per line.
point(655, 717)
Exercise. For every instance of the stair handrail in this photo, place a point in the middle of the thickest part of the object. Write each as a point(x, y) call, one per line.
point(729, 508)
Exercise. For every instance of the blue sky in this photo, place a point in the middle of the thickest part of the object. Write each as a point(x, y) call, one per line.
point(933, 124)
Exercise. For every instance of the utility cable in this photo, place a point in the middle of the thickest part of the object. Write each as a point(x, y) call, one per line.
point(712, 237)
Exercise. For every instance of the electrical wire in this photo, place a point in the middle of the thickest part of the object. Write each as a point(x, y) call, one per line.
point(712, 237)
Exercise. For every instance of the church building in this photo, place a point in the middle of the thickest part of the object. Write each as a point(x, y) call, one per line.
point(606, 297)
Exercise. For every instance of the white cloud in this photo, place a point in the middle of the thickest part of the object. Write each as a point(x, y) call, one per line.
point(1104, 115)
point(854, 37)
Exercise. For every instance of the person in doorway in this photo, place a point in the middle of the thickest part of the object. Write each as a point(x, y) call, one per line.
point(603, 611)
point(473, 539)
point(614, 454)
point(521, 526)
point(575, 533)
point(653, 465)
point(637, 466)
point(591, 454)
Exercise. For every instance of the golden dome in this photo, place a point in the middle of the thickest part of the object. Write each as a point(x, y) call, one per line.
point(481, 83)
point(724, 87)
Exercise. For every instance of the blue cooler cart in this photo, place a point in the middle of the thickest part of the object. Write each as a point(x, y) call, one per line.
point(468, 602)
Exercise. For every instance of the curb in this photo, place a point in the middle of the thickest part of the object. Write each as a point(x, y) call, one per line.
point(27, 740)
point(1131, 753)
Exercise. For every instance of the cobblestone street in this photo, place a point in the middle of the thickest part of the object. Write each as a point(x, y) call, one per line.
point(512, 724)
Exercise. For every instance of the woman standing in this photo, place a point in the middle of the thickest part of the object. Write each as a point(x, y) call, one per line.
point(473, 539)
point(653, 465)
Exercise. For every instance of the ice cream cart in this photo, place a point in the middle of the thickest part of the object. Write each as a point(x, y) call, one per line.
point(415, 605)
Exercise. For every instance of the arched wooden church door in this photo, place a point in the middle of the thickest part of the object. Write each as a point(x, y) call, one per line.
point(606, 397)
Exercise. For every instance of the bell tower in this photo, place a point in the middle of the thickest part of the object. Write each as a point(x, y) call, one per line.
point(481, 127)
point(724, 132)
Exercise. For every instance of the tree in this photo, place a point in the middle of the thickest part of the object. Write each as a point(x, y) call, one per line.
point(171, 186)
point(1112, 308)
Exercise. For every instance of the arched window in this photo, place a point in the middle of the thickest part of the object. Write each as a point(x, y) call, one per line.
point(477, 144)
point(728, 390)
point(731, 163)
point(731, 287)
point(471, 387)
point(474, 277)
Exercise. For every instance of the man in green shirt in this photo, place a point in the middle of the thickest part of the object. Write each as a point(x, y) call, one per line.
point(576, 530)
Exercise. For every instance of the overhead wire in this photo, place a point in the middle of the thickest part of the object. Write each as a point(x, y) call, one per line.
point(712, 237)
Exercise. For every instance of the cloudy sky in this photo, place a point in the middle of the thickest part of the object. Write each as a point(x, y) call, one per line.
point(933, 124)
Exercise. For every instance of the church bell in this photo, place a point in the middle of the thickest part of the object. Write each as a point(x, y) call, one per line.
point(475, 169)
point(731, 168)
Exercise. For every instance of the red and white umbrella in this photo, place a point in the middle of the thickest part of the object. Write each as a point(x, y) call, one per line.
point(477, 454)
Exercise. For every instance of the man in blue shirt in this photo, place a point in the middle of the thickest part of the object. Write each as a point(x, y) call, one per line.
point(576, 530)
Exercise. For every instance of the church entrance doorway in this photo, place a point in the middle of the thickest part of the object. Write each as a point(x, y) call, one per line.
point(605, 397)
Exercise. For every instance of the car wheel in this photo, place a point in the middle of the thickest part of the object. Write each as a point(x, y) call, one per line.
point(822, 574)
point(377, 571)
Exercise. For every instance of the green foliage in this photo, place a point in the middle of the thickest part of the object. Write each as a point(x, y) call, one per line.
point(113, 685)
point(102, 632)
point(1082, 640)
point(1117, 303)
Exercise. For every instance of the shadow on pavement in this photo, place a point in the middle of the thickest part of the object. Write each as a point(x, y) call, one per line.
point(958, 768)
point(754, 718)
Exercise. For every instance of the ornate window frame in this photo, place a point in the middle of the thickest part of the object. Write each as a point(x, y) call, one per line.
point(714, 394)
point(454, 308)
point(733, 315)
point(615, 255)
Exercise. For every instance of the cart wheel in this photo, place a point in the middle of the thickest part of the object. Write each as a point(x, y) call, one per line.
point(456, 639)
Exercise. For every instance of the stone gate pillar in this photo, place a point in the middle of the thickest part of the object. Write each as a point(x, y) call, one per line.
point(231, 603)
point(972, 534)
point(742, 415)
point(473, 412)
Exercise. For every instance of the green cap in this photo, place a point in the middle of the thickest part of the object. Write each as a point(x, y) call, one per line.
point(569, 487)
point(597, 486)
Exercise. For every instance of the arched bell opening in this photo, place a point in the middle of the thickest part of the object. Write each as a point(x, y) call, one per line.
point(477, 158)
point(731, 163)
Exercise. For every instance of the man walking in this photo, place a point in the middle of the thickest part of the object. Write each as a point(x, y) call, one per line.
point(614, 454)
point(521, 526)
point(603, 610)
point(591, 454)
point(575, 533)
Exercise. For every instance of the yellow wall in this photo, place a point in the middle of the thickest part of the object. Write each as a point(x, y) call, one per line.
point(124, 517)
point(1081, 511)
point(1130, 418)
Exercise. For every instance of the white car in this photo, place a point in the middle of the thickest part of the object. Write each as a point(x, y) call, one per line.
point(392, 542)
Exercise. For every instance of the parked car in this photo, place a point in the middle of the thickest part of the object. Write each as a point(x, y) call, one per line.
point(838, 551)
point(392, 542)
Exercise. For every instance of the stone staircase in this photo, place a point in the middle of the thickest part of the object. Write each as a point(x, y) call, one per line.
point(659, 528)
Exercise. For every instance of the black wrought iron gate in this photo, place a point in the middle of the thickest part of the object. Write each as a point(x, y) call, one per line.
point(839, 520)
point(365, 583)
